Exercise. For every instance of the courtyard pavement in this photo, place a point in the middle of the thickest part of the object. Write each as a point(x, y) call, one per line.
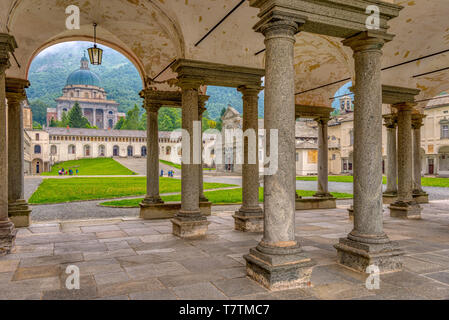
point(128, 258)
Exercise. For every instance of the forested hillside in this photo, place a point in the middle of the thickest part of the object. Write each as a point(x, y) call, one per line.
point(50, 69)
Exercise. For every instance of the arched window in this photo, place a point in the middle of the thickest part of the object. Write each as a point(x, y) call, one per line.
point(111, 113)
point(37, 149)
point(53, 150)
point(130, 151)
point(72, 149)
point(168, 151)
point(87, 151)
point(111, 123)
point(102, 151)
point(116, 151)
point(143, 151)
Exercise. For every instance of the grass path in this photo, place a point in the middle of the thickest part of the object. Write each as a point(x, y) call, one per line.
point(230, 196)
point(425, 181)
point(79, 189)
point(90, 167)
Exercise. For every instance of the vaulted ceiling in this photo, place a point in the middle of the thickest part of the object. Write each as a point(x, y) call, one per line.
point(152, 33)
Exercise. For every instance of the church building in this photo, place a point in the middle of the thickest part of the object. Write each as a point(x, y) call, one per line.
point(84, 86)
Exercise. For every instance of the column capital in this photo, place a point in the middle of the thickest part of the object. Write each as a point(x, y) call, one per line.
point(404, 106)
point(15, 89)
point(152, 107)
point(390, 121)
point(368, 41)
point(7, 44)
point(202, 99)
point(417, 121)
point(322, 120)
point(249, 90)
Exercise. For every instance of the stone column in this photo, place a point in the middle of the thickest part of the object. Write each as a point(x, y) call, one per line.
point(367, 243)
point(278, 262)
point(392, 187)
point(18, 209)
point(189, 222)
point(250, 216)
point(418, 193)
point(405, 206)
point(152, 196)
point(323, 159)
point(201, 109)
point(7, 230)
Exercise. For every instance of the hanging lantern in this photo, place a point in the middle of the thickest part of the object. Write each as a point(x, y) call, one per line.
point(95, 53)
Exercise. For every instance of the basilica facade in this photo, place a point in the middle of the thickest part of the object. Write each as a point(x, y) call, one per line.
point(84, 86)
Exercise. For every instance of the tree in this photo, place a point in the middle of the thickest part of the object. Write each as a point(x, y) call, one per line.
point(119, 124)
point(39, 110)
point(53, 123)
point(37, 126)
point(64, 120)
point(76, 118)
point(132, 120)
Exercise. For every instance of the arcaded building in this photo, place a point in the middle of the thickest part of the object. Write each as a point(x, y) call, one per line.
point(84, 86)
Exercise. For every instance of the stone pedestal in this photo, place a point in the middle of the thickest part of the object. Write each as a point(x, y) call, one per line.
point(168, 210)
point(19, 213)
point(367, 243)
point(7, 230)
point(250, 216)
point(405, 206)
point(277, 262)
point(18, 209)
point(311, 203)
point(189, 222)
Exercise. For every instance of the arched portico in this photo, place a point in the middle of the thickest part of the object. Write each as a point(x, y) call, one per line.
point(171, 30)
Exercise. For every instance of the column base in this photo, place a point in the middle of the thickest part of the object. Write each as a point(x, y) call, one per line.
point(420, 197)
point(249, 220)
point(19, 213)
point(152, 200)
point(405, 210)
point(351, 212)
point(7, 237)
point(310, 203)
point(203, 199)
point(279, 268)
point(389, 197)
point(358, 256)
point(168, 210)
point(190, 225)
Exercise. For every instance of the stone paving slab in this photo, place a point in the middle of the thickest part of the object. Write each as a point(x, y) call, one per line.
point(128, 258)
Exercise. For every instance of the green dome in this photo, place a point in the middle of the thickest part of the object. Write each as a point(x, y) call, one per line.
point(83, 76)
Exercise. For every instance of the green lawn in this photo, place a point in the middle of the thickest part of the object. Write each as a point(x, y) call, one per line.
point(88, 167)
point(178, 166)
point(77, 189)
point(425, 181)
point(232, 196)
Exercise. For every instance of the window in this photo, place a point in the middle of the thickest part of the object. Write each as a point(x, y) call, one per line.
point(72, 149)
point(445, 131)
point(130, 151)
point(53, 150)
point(37, 136)
point(168, 151)
point(143, 151)
point(102, 151)
point(87, 151)
point(111, 113)
point(334, 156)
point(37, 149)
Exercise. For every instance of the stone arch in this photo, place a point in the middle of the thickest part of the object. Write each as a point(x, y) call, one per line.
point(102, 150)
point(115, 151)
point(148, 34)
point(130, 151)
